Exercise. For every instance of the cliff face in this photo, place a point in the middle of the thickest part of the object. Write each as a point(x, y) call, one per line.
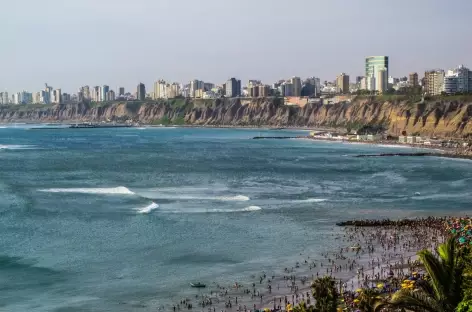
point(430, 118)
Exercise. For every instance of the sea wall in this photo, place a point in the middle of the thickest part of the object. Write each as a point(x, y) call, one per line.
point(440, 118)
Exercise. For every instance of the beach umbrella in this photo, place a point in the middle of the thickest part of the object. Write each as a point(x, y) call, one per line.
point(380, 285)
point(356, 301)
point(462, 240)
point(358, 290)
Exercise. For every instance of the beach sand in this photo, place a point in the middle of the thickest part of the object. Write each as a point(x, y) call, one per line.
point(383, 249)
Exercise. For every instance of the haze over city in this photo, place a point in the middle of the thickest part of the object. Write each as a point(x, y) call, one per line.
point(124, 42)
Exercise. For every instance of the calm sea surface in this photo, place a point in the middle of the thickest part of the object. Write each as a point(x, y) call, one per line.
point(124, 219)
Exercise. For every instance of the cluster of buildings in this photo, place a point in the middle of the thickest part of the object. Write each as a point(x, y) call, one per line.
point(375, 81)
point(457, 80)
point(47, 96)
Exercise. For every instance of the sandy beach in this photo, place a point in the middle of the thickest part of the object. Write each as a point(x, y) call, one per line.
point(371, 255)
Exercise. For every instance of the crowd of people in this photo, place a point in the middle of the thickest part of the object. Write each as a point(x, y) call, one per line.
point(373, 254)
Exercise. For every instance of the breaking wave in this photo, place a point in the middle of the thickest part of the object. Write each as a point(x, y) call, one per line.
point(233, 198)
point(15, 147)
point(147, 209)
point(191, 211)
point(120, 190)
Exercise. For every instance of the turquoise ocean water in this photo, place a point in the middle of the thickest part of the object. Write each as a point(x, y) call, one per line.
point(124, 219)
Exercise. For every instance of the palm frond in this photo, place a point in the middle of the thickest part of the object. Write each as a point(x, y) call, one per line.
point(415, 300)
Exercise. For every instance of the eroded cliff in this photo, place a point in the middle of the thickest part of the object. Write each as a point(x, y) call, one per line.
point(441, 118)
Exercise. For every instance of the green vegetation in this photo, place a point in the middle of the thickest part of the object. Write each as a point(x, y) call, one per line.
point(442, 292)
point(26, 107)
point(446, 288)
point(166, 121)
point(325, 294)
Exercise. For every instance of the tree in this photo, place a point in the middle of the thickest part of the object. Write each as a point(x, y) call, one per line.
point(368, 299)
point(442, 292)
point(325, 294)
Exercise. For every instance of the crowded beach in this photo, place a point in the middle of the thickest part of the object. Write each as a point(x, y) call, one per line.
point(377, 254)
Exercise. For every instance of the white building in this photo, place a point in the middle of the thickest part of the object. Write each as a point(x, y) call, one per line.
point(458, 80)
point(57, 97)
point(196, 85)
point(371, 83)
point(15, 98)
point(382, 80)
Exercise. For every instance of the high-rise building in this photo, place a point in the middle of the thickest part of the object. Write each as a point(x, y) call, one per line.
point(141, 92)
point(263, 90)
point(36, 99)
point(44, 97)
point(297, 86)
point(65, 97)
point(371, 83)
point(413, 80)
point(373, 64)
point(342, 83)
point(363, 83)
point(382, 80)
point(121, 91)
point(458, 80)
point(173, 90)
point(25, 97)
point(15, 98)
point(95, 94)
point(103, 92)
point(161, 89)
point(49, 90)
point(233, 88)
point(450, 83)
point(4, 98)
point(286, 89)
point(86, 92)
point(196, 85)
point(359, 79)
point(111, 95)
point(57, 97)
point(434, 81)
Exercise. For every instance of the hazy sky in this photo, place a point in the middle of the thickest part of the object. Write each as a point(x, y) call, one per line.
point(69, 43)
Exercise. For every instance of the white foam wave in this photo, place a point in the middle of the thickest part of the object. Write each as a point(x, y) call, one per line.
point(233, 198)
point(251, 208)
point(15, 147)
point(120, 190)
point(311, 200)
point(192, 211)
point(147, 209)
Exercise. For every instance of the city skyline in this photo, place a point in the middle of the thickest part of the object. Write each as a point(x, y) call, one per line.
point(376, 81)
point(121, 43)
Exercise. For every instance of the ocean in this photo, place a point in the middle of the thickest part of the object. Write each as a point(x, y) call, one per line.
point(125, 219)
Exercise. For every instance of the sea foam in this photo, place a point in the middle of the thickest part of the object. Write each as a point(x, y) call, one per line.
point(147, 209)
point(192, 211)
point(120, 190)
point(15, 147)
point(311, 200)
point(233, 198)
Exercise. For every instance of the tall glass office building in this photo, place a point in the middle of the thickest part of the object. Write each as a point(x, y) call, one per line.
point(374, 64)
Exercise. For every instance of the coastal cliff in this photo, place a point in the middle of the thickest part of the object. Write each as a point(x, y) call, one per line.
point(446, 118)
